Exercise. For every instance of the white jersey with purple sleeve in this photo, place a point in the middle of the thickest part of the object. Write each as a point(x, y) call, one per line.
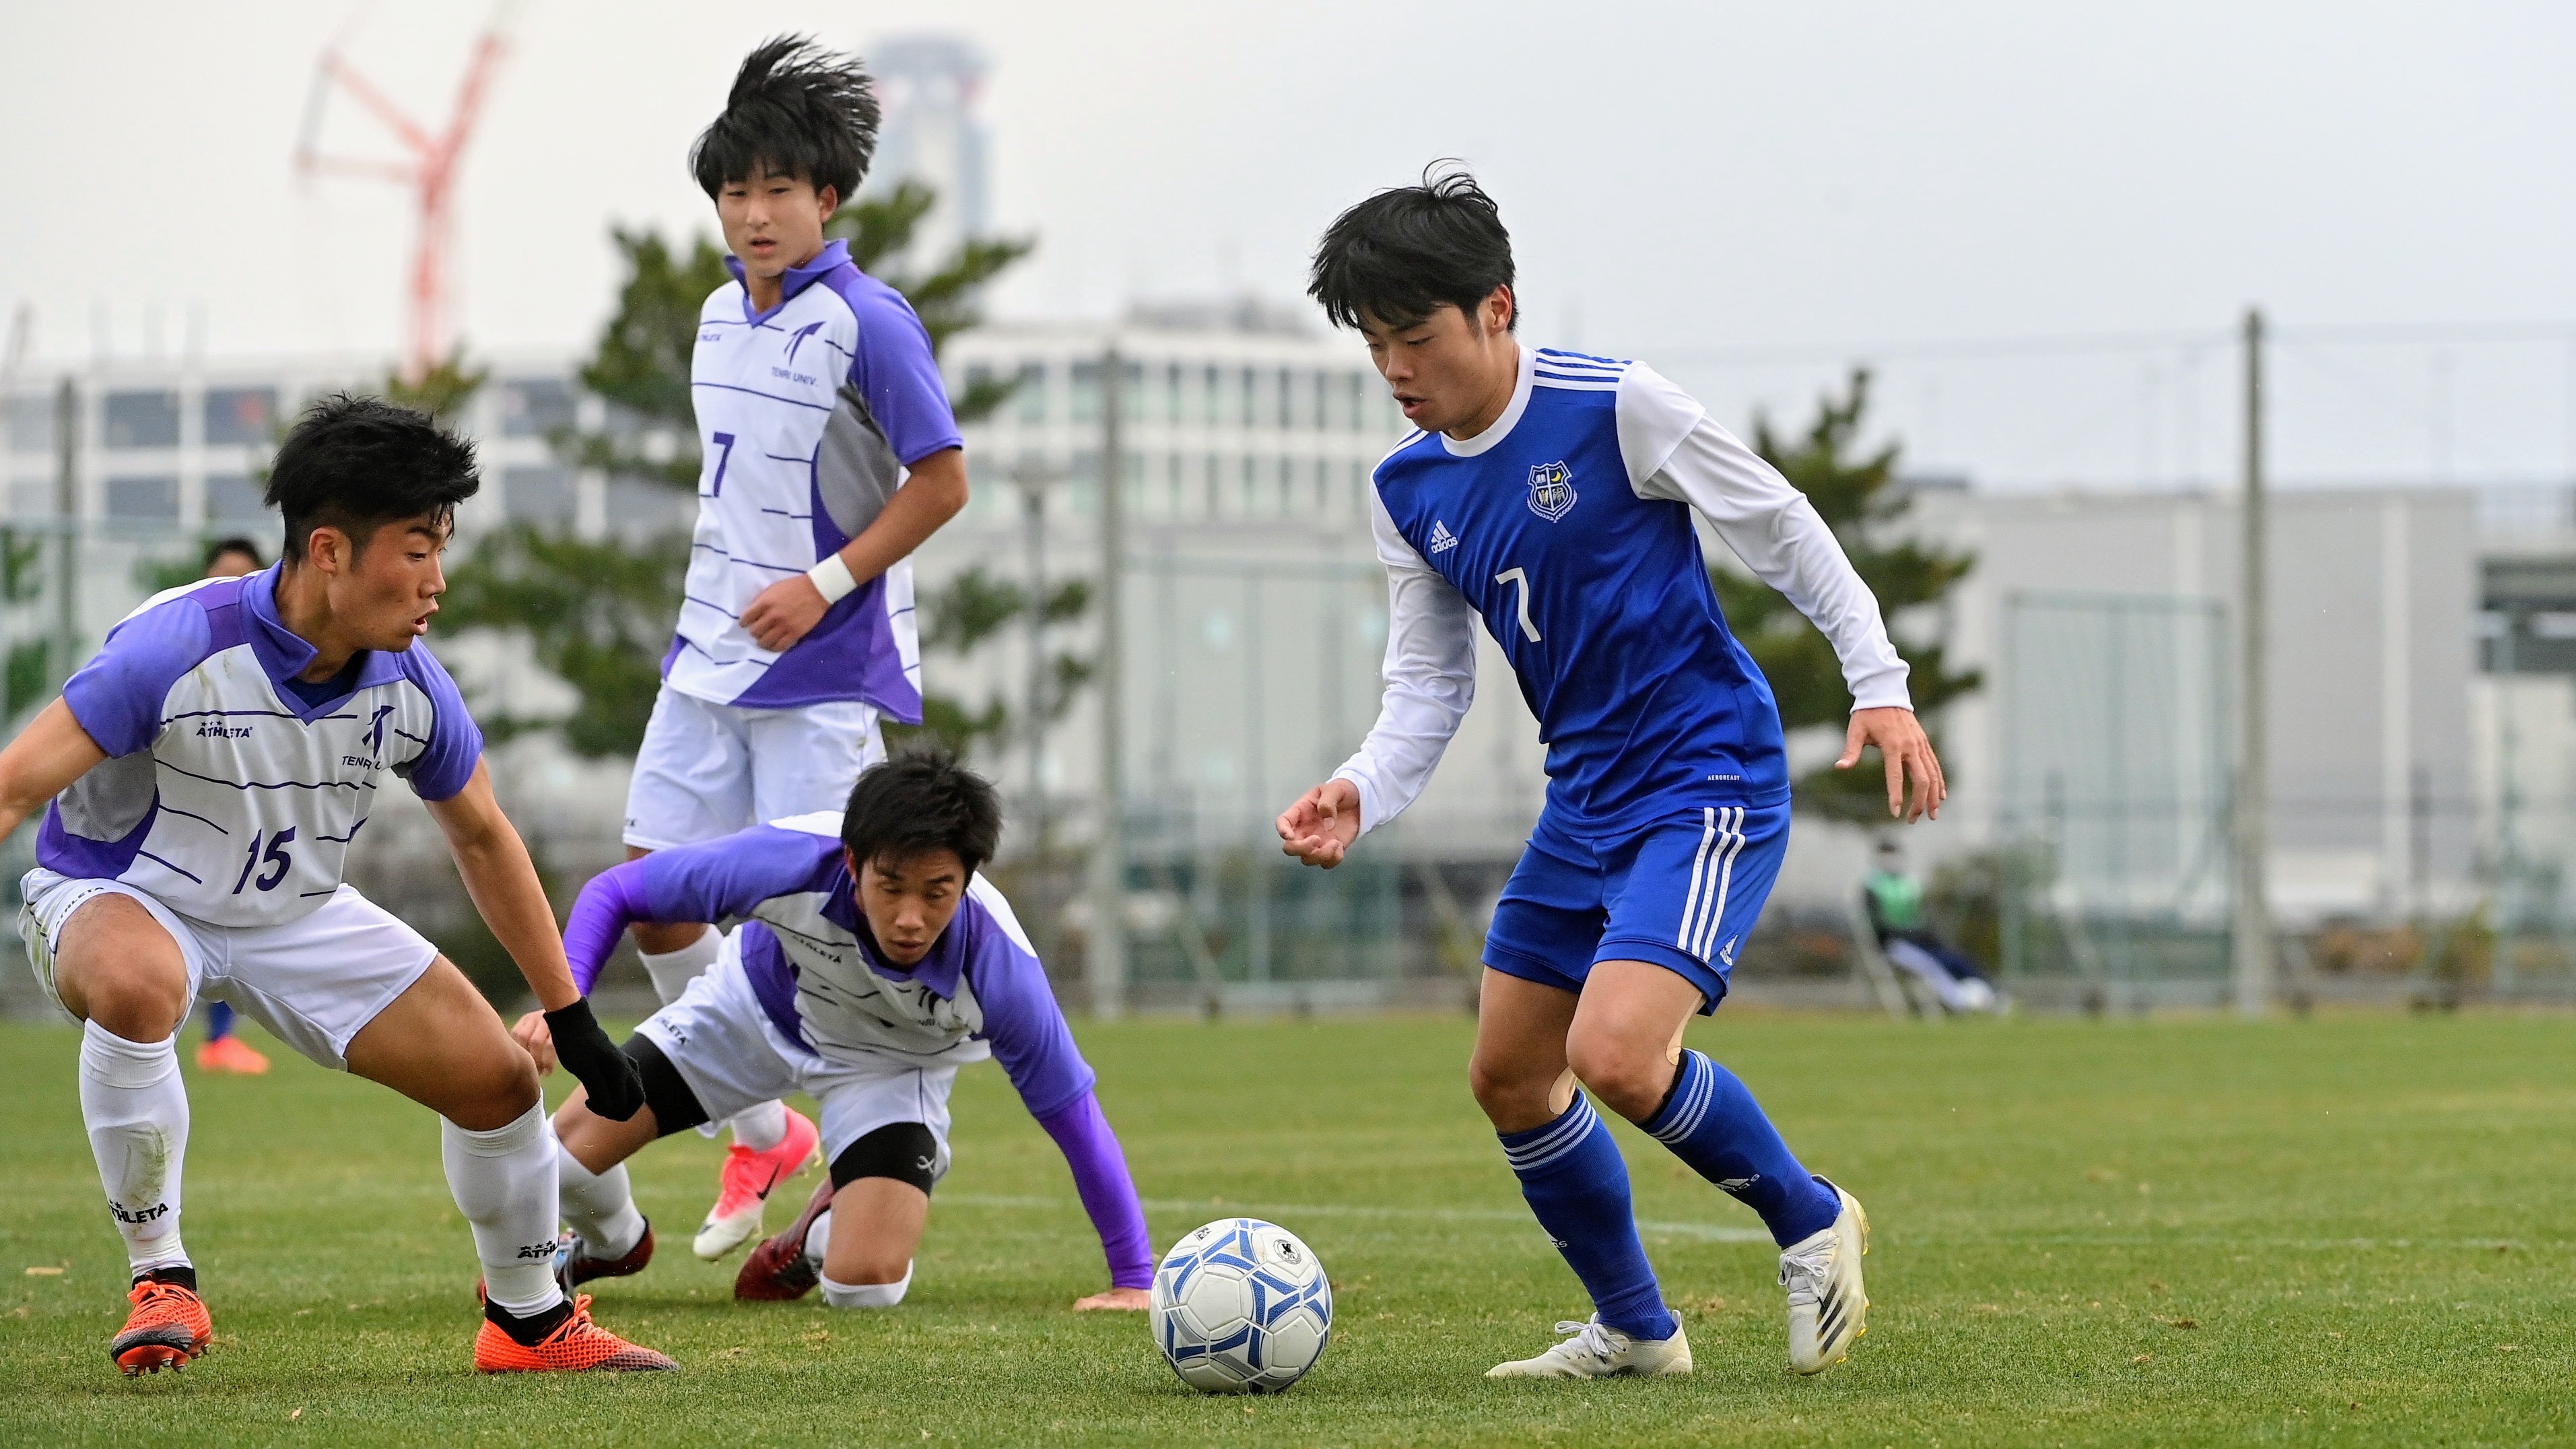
point(227, 795)
point(808, 414)
point(981, 991)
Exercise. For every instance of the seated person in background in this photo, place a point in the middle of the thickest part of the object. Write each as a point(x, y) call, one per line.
point(1895, 902)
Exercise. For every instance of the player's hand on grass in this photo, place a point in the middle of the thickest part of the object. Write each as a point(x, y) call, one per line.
point(1914, 784)
point(616, 1088)
point(1320, 827)
point(784, 612)
point(531, 1034)
point(1129, 1300)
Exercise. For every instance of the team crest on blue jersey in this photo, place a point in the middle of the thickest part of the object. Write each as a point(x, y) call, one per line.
point(1551, 490)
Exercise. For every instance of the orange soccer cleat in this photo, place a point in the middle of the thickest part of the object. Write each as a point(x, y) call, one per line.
point(231, 1054)
point(576, 1345)
point(168, 1327)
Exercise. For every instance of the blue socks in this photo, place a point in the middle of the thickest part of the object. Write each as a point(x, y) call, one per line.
point(1710, 1120)
point(1577, 1184)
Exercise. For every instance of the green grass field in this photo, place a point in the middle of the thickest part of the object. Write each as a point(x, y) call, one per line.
point(2195, 1231)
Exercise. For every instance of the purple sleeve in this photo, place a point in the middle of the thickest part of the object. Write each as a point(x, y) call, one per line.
point(117, 696)
point(1108, 1193)
point(1022, 1021)
point(612, 901)
point(709, 881)
point(897, 375)
point(455, 745)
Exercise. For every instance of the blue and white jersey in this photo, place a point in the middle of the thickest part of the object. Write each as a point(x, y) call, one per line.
point(1566, 527)
point(227, 797)
point(815, 968)
point(808, 414)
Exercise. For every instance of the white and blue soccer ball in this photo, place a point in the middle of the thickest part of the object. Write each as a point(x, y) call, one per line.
point(1241, 1307)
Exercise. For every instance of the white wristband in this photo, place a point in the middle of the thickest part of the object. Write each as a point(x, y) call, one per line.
point(832, 579)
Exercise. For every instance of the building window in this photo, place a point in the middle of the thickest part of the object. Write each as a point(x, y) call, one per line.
point(535, 407)
point(1355, 411)
point(540, 495)
point(241, 416)
point(31, 424)
point(1214, 481)
point(1029, 400)
point(1086, 392)
point(155, 497)
point(1211, 399)
point(142, 420)
point(1250, 384)
point(1172, 395)
point(232, 498)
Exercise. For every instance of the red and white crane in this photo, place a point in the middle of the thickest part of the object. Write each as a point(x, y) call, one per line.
point(431, 174)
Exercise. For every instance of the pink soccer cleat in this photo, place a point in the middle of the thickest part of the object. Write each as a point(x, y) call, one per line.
point(749, 1177)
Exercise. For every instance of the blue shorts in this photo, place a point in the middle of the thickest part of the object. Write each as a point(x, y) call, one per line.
point(1682, 893)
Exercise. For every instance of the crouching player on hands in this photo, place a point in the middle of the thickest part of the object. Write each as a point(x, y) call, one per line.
point(873, 963)
point(1549, 494)
point(207, 771)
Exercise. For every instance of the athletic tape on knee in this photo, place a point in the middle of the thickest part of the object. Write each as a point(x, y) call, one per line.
point(904, 1151)
point(867, 1295)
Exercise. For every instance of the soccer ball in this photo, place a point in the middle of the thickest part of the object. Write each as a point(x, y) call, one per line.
point(1241, 1307)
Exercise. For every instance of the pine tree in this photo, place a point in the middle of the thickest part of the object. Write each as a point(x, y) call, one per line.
point(1859, 498)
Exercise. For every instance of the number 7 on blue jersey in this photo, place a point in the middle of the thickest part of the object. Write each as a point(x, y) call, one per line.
point(1519, 580)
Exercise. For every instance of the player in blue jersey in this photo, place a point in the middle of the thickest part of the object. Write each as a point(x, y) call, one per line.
point(1550, 494)
point(207, 772)
point(873, 962)
point(829, 454)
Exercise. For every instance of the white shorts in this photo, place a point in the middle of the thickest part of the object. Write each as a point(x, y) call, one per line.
point(733, 1057)
point(706, 770)
point(314, 982)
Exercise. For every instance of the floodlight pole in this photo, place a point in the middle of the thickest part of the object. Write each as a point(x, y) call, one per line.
point(2251, 950)
point(1105, 955)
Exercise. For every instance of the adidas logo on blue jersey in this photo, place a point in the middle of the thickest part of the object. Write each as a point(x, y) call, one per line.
point(1442, 540)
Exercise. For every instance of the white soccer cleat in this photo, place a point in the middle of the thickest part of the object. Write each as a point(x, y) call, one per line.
point(1598, 1351)
point(1827, 1307)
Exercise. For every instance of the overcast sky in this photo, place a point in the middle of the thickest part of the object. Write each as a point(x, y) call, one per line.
point(1684, 182)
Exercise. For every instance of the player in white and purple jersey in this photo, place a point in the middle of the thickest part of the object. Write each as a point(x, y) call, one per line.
point(208, 769)
point(1551, 495)
point(872, 962)
point(829, 452)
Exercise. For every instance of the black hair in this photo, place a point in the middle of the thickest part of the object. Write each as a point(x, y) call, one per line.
point(796, 109)
point(235, 544)
point(358, 463)
point(922, 800)
point(1408, 251)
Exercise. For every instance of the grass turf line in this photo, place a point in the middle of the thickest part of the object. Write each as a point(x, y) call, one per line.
point(2189, 1231)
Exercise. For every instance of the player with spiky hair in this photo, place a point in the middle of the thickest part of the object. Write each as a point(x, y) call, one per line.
point(830, 452)
point(208, 770)
point(873, 962)
point(1550, 494)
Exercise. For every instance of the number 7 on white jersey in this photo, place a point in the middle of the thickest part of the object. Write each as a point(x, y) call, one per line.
point(1519, 580)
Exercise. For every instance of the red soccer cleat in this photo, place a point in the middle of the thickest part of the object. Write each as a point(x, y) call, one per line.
point(749, 1177)
point(576, 1346)
point(573, 1266)
point(776, 1271)
point(168, 1327)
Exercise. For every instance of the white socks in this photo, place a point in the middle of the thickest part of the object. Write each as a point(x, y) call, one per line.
point(136, 1109)
point(598, 1206)
point(672, 971)
point(867, 1295)
point(761, 1128)
point(504, 1182)
point(758, 1128)
point(850, 1295)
